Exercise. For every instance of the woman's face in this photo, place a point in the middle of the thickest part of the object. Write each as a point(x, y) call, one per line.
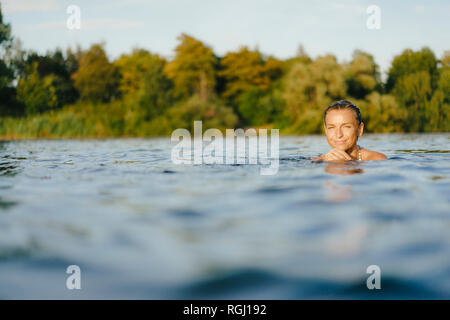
point(342, 129)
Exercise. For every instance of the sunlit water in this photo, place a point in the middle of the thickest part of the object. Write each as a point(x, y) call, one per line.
point(140, 226)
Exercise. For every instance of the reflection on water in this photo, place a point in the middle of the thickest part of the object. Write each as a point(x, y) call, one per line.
point(6, 204)
point(350, 242)
point(337, 193)
point(343, 168)
point(140, 226)
point(8, 167)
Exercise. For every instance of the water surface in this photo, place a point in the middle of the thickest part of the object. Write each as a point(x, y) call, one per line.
point(140, 226)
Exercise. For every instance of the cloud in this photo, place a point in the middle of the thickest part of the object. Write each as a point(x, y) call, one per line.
point(349, 7)
point(91, 24)
point(109, 23)
point(46, 25)
point(419, 9)
point(12, 6)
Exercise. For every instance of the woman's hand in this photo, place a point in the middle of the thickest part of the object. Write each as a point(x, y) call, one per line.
point(336, 155)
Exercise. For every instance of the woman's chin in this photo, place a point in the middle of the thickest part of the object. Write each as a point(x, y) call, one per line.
point(342, 147)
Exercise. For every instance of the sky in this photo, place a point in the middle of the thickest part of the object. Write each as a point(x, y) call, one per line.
point(275, 27)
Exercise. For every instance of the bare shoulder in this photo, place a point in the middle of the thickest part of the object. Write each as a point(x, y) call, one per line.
point(372, 155)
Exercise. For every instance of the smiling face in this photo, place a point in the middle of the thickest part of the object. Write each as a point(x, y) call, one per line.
point(342, 129)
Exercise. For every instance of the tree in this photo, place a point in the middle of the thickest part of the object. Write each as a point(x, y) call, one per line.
point(6, 75)
point(8, 101)
point(410, 62)
point(245, 69)
point(259, 107)
point(309, 88)
point(302, 55)
point(413, 91)
point(5, 31)
point(54, 63)
point(72, 59)
point(96, 78)
point(38, 94)
point(156, 93)
point(193, 71)
point(214, 114)
point(7, 92)
point(438, 108)
point(362, 75)
point(382, 113)
point(413, 78)
point(133, 67)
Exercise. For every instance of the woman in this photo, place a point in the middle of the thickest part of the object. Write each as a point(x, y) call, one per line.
point(343, 126)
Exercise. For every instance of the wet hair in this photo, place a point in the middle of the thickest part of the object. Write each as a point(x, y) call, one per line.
point(343, 104)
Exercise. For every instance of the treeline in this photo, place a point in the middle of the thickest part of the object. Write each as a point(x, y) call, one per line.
point(82, 93)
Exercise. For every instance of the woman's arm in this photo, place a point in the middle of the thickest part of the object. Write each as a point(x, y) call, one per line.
point(373, 155)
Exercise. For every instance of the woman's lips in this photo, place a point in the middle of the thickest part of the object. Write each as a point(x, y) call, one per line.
point(340, 142)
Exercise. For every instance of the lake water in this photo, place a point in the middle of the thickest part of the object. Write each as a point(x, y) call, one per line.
point(139, 226)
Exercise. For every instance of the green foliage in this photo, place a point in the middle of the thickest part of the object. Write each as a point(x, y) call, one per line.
point(382, 113)
point(5, 30)
point(72, 60)
point(55, 64)
point(308, 89)
point(193, 71)
point(419, 87)
point(410, 62)
point(213, 113)
point(259, 107)
point(362, 75)
point(7, 92)
point(438, 108)
point(133, 69)
point(38, 94)
point(444, 83)
point(245, 69)
point(413, 91)
point(96, 78)
point(82, 94)
point(156, 92)
point(6, 75)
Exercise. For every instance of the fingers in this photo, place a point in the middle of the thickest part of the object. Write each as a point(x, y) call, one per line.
point(336, 154)
point(332, 156)
point(343, 154)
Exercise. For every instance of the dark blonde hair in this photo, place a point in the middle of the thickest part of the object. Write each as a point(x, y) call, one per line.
point(343, 104)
